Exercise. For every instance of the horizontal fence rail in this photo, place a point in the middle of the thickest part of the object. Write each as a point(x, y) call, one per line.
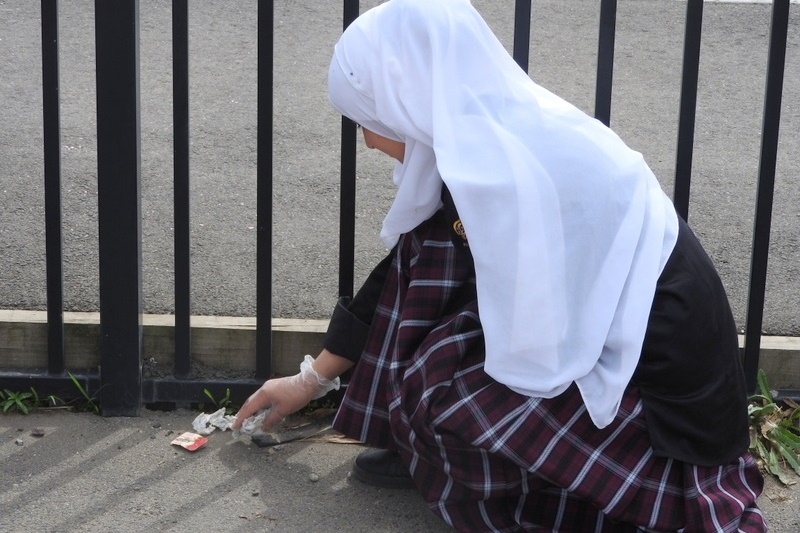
point(120, 383)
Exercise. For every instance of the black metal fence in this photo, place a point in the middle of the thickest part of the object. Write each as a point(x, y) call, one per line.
point(120, 385)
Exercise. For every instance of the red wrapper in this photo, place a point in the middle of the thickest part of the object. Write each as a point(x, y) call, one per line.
point(190, 441)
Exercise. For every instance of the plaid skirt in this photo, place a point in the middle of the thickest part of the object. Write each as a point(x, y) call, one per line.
point(488, 459)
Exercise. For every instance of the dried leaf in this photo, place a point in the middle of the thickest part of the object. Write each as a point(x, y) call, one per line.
point(333, 439)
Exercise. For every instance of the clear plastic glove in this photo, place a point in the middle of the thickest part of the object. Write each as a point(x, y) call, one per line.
point(283, 396)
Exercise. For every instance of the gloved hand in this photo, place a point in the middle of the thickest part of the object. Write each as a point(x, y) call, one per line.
point(284, 396)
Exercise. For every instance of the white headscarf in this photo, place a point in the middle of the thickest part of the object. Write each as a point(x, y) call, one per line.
point(568, 227)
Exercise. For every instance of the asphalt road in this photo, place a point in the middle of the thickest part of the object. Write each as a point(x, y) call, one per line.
point(306, 148)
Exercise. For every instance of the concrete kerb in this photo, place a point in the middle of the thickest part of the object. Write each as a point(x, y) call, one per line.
point(224, 344)
point(227, 344)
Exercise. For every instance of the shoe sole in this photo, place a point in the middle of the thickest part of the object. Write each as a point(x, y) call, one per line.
point(384, 482)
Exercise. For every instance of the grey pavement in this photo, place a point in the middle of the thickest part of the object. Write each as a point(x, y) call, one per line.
point(306, 148)
point(94, 474)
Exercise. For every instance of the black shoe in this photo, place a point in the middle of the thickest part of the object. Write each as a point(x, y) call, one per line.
point(382, 468)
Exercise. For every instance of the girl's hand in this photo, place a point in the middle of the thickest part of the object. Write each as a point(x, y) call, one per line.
point(284, 396)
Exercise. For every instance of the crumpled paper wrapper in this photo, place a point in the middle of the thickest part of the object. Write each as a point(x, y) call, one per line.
point(207, 423)
point(252, 426)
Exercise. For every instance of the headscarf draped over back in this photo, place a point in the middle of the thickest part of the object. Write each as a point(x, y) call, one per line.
point(568, 227)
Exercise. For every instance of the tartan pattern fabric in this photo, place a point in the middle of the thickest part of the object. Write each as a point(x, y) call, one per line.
point(488, 459)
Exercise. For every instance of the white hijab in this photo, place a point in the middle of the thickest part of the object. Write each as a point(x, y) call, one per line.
point(568, 227)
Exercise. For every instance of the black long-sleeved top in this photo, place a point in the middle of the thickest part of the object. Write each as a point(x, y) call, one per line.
point(350, 320)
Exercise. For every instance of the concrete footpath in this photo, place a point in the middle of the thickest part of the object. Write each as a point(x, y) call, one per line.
point(89, 474)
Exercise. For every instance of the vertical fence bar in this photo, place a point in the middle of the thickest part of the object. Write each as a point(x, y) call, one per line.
point(264, 187)
point(52, 187)
point(776, 63)
point(605, 61)
point(347, 208)
point(522, 33)
point(688, 106)
point(180, 110)
point(119, 205)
